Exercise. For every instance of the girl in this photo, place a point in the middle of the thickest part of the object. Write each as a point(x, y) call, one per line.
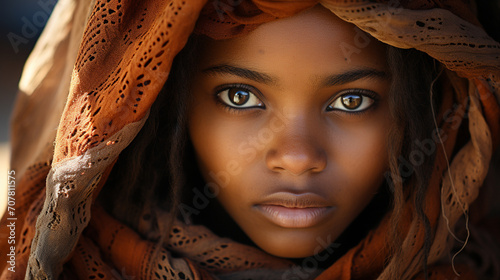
point(296, 148)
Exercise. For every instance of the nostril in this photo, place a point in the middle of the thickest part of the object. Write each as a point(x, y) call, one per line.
point(278, 169)
point(296, 162)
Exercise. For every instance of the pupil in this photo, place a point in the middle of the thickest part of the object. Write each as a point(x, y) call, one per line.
point(238, 97)
point(351, 101)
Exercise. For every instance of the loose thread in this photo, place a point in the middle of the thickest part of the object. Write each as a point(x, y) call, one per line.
point(464, 211)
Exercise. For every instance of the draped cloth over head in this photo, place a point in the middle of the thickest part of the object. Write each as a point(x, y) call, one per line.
point(100, 65)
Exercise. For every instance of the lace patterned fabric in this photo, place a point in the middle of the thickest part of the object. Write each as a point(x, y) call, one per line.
point(118, 54)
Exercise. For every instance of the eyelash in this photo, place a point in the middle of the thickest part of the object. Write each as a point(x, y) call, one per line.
point(234, 110)
point(361, 92)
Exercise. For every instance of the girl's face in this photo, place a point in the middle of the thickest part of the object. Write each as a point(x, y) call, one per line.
point(289, 124)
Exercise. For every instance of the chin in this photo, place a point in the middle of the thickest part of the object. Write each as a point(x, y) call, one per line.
point(290, 253)
point(295, 245)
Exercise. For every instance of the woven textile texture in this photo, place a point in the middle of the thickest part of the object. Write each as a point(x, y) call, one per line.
point(99, 67)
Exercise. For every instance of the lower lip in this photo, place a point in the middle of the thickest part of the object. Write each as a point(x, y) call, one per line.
point(294, 217)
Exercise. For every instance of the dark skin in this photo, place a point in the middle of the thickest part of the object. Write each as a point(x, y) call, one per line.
point(290, 132)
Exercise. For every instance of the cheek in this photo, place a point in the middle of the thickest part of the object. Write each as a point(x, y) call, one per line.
point(218, 142)
point(365, 154)
point(363, 147)
point(220, 146)
point(360, 157)
point(211, 141)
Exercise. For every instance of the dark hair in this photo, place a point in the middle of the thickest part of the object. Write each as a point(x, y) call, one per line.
point(151, 173)
point(413, 79)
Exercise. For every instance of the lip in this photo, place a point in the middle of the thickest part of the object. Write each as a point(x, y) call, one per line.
point(290, 210)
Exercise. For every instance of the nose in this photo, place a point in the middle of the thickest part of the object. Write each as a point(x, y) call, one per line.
point(296, 153)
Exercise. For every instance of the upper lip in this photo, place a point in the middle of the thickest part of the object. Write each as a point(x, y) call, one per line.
point(292, 200)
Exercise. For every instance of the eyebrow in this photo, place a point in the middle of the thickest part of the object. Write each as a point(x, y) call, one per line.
point(241, 72)
point(353, 75)
point(333, 80)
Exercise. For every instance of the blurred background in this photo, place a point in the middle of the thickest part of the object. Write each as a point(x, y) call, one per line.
point(21, 22)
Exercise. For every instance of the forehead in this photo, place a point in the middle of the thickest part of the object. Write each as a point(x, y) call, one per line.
point(313, 37)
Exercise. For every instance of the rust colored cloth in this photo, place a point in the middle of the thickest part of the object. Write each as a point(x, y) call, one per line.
point(100, 65)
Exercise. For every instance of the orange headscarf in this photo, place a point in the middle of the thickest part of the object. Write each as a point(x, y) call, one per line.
point(114, 56)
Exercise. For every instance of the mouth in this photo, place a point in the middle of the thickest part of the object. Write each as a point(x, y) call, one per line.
point(290, 210)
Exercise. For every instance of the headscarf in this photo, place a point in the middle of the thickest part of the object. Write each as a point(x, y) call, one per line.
point(98, 67)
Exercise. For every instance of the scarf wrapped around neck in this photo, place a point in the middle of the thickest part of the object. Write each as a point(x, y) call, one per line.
point(98, 67)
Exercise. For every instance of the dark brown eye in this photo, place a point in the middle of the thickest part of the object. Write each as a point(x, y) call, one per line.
point(351, 101)
point(238, 97)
